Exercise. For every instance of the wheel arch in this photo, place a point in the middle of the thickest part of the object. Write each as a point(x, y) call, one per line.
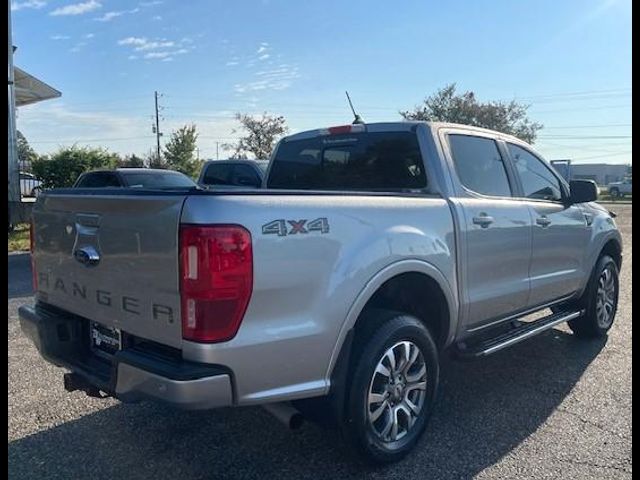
point(413, 274)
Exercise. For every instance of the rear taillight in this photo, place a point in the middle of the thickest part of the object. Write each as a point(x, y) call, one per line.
point(216, 275)
point(32, 242)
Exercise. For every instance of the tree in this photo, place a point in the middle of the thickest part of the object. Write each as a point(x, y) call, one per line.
point(448, 106)
point(26, 154)
point(180, 149)
point(260, 135)
point(151, 158)
point(132, 161)
point(67, 164)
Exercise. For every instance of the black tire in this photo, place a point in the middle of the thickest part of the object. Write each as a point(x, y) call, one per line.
point(383, 330)
point(614, 193)
point(590, 325)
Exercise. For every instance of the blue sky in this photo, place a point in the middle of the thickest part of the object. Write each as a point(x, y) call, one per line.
point(570, 60)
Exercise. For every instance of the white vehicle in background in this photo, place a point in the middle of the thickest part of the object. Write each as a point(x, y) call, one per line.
point(30, 186)
point(620, 189)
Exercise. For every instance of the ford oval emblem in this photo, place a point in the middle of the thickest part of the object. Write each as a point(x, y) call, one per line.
point(87, 256)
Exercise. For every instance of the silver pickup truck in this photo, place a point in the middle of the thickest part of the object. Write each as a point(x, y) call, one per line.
point(334, 291)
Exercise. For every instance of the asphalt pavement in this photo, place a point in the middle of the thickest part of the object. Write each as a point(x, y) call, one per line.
point(552, 407)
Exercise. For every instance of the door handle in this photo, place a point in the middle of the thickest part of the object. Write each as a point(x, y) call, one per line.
point(483, 220)
point(543, 221)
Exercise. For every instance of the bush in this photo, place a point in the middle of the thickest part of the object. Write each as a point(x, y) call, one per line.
point(67, 164)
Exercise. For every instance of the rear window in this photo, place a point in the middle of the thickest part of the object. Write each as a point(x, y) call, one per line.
point(384, 161)
point(157, 180)
point(98, 180)
point(218, 174)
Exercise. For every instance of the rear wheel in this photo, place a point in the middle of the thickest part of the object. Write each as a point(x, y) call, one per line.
point(393, 386)
point(614, 193)
point(600, 301)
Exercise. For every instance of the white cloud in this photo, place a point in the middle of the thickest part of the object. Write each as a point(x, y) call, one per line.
point(167, 59)
point(150, 4)
point(77, 47)
point(166, 53)
point(279, 78)
point(157, 49)
point(157, 55)
point(59, 37)
point(109, 16)
point(156, 18)
point(231, 64)
point(89, 35)
point(133, 41)
point(35, 4)
point(262, 49)
point(77, 8)
point(154, 45)
point(264, 57)
point(132, 57)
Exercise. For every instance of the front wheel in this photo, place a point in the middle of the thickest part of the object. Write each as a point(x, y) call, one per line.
point(393, 386)
point(601, 301)
point(614, 193)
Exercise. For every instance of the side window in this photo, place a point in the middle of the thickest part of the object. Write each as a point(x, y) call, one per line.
point(218, 174)
point(246, 176)
point(479, 165)
point(537, 179)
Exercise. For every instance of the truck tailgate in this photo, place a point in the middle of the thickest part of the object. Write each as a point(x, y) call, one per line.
point(112, 259)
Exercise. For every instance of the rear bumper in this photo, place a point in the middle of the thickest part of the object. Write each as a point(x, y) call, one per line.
point(132, 374)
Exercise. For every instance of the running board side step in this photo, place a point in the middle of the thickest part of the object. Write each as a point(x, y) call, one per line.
point(518, 334)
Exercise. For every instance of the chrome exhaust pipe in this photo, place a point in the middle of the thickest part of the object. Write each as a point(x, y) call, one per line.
point(284, 412)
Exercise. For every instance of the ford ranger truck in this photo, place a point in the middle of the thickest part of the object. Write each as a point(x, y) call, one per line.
point(334, 290)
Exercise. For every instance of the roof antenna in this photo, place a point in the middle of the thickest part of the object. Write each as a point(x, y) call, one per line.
point(357, 118)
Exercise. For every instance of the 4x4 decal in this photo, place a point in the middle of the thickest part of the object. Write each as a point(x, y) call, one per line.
point(283, 227)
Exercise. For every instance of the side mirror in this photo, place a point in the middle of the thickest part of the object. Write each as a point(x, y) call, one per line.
point(582, 191)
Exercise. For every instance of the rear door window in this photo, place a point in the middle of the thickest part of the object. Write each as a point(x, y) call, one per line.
point(218, 174)
point(381, 161)
point(479, 165)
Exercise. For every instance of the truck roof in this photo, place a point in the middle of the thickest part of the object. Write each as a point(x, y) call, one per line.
point(403, 125)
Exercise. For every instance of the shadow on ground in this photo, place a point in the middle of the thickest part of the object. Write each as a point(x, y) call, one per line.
point(487, 408)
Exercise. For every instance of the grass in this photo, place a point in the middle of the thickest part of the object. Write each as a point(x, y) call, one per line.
point(608, 198)
point(19, 238)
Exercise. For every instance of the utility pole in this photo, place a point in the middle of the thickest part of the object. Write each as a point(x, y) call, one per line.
point(158, 134)
point(217, 156)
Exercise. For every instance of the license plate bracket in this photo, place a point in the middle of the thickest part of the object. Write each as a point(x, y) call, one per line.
point(104, 340)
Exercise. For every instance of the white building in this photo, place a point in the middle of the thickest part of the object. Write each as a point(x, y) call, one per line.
point(601, 173)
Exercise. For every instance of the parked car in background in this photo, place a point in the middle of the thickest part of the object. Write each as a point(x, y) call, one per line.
point(134, 178)
point(233, 173)
point(620, 189)
point(29, 184)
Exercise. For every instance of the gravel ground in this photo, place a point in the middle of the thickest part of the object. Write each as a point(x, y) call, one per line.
point(552, 407)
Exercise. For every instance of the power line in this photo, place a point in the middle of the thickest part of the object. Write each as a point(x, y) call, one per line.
point(116, 139)
point(75, 140)
point(584, 137)
point(603, 156)
point(590, 126)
